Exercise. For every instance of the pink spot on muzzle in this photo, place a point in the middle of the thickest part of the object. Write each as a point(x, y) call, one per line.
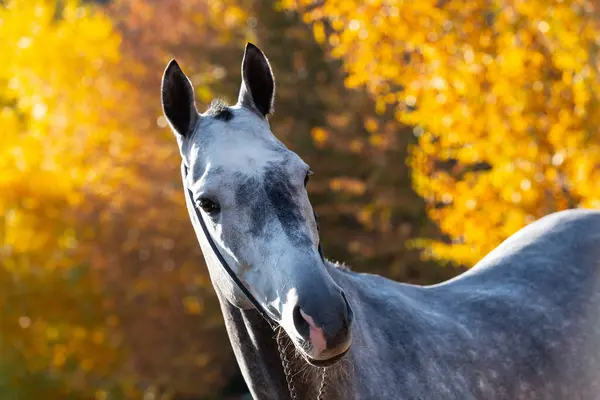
point(316, 336)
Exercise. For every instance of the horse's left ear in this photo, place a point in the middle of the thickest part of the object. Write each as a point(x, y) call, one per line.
point(258, 84)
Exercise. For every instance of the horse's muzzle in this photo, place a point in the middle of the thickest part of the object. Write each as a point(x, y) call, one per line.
point(327, 331)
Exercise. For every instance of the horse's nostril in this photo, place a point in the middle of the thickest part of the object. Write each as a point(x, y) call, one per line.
point(300, 323)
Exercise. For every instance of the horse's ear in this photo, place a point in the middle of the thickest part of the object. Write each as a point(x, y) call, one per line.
point(178, 100)
point(258, 85)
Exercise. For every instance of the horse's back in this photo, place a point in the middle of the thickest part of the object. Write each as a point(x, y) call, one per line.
point(538, 294)
point(562, 244)
point(548, 273)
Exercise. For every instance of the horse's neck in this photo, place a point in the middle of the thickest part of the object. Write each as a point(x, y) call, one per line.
point(255, 351)
point(257, 354)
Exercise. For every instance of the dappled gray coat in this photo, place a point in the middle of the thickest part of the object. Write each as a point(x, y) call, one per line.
point(524, 323)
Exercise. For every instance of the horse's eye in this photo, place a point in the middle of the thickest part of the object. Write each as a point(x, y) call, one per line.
point(208, 205)
point(306, 178)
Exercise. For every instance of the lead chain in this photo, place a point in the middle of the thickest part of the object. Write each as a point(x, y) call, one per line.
point(288, 374)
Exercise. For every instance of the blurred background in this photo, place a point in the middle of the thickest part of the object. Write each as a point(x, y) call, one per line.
point(435, 129)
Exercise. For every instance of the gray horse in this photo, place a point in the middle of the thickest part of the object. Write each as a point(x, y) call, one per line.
point(524, 323)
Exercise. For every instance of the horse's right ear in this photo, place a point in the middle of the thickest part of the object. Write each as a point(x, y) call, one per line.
point(178, 100)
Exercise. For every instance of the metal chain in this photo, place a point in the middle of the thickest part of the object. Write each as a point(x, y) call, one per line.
point(321, 395)
point(286, 367)
point(288, 373)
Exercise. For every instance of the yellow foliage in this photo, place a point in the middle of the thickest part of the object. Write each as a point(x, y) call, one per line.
point(319, 135)
point(506, 97)
point(193, 305)
point(53, 149)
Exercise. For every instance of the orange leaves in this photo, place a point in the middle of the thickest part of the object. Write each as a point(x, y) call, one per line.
point(512, 63)
point(319, 32)
point(319, 136)
point(193, 305)
point(505, 97)
point(348, 185)
point(56, 62)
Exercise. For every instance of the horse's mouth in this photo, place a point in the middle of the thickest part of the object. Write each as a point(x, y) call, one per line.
point(326, 363)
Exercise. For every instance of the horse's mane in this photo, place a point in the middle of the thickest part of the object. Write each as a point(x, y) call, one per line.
point(219, 109)
point(339, 265)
